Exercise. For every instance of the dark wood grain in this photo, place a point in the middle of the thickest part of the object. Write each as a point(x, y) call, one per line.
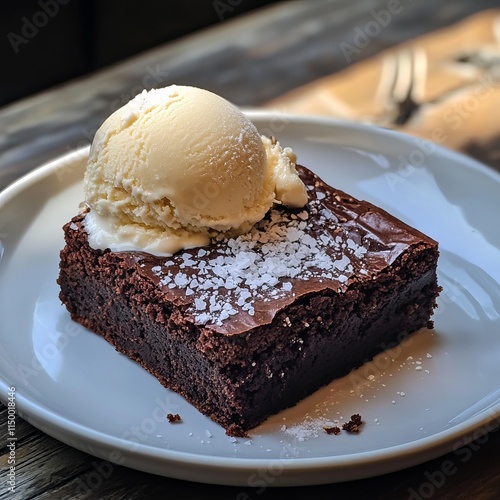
point(49, 469)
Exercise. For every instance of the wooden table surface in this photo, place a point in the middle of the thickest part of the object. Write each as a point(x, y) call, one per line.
point(300, 57)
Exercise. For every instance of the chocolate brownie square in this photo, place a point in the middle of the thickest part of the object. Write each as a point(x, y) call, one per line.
point(247, 326)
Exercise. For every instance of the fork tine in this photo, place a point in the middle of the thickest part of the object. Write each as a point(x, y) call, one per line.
point(419, 74)
point(387, 81)
point(496, 30)
point(403, 86)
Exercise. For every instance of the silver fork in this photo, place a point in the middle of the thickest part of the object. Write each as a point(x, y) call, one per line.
point(402, 84)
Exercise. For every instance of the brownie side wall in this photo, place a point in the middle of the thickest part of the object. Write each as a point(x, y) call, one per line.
point(239, 381)
point(115, 302)
point(363, 295)
point(323, 357)
point(349, 329)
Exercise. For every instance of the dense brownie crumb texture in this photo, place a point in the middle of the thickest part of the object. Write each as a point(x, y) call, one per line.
point(247, 326)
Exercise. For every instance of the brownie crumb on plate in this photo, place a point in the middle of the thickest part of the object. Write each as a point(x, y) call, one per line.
point(332, 430)
point(354, 424)
point(174, 418)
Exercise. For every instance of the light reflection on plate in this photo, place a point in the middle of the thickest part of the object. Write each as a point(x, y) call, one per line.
point(74, 386)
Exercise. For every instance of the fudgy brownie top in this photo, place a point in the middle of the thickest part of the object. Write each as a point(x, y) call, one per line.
point(233, 285)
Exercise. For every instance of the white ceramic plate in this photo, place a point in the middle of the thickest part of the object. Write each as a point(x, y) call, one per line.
point(419, 400)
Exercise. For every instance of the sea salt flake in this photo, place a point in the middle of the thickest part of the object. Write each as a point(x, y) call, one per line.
point(351, 244)
point(200, 304)
point(342, 263)
point(324, 239)
point(360, 252)
point(181, 280)
point(203, 318)
point(294, 234)
point(248, 269)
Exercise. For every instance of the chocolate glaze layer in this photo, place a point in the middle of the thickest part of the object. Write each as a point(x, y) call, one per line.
point(371, 238)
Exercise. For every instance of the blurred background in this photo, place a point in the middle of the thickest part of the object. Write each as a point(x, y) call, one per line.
point(47, 42)
point(75, 37)
point(67, 64)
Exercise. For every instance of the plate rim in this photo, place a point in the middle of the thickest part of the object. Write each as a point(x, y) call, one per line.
point(418, 451)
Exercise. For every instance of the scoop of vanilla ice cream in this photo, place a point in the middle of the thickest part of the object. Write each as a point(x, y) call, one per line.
point(177, 164)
